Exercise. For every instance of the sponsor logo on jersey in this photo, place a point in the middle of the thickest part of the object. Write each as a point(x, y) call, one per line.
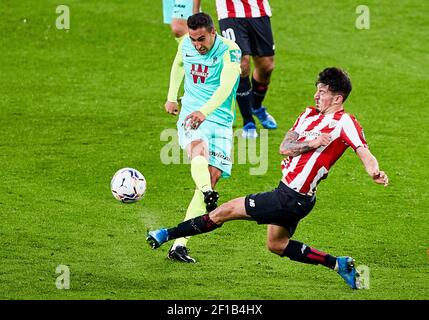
point(199, 71)
point(235, 55)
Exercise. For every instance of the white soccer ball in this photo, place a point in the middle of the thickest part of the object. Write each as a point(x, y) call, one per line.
point(128, 185)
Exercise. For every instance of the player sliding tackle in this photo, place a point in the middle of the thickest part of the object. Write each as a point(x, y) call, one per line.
point(316, 141)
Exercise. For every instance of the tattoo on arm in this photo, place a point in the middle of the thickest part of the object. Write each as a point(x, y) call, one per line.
point(291, 147)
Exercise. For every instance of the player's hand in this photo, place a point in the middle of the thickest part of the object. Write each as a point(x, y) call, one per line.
point(172, 108)
point(194, 120)
point(380, 177)
point(323, 140)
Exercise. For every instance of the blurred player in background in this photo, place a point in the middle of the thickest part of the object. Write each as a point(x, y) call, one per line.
point(248, 24)
point(210, 65)
point(315, 142)
point(176, 12)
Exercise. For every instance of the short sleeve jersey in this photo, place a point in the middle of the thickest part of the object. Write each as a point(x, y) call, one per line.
point(303, 173)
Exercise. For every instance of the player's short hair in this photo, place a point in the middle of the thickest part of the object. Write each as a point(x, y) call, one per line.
point(200, 20)
point(338, 81)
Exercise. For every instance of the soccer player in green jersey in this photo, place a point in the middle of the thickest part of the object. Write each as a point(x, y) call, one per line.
point(210, 65)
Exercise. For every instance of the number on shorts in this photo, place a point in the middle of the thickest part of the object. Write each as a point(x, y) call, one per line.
point(229, 34)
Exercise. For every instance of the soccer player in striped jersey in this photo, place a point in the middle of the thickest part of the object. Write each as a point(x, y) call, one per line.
point(316, 141)
point(247, 22)
point(210, 65)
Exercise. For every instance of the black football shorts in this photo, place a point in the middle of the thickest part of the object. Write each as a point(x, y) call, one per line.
point(282, 206)
point(253, 35)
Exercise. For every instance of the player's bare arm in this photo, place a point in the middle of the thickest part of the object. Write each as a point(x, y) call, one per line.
point(371, 166)
point(291, 147)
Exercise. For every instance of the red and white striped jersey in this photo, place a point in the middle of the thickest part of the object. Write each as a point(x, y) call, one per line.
point(303, 173)
point(242, 8)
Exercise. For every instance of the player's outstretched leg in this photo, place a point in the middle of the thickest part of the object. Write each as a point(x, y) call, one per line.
point(346, 269)
point(156, 238)
point(186, 228)
point(231, 210)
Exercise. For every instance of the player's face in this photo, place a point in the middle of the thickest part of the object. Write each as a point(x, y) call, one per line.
point(202, 39)
point(325, 99)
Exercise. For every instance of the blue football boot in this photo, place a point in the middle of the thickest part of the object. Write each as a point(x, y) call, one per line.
point(266, 119)
point(346, 269)
point(157, 237)
point(249, 131)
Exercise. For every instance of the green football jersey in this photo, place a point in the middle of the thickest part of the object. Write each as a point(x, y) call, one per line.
point(203, 77)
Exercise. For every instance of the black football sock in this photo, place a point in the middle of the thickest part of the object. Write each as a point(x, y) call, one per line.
point(258, 91)
point(244, 100)
point(298, 251)
point(197, 225)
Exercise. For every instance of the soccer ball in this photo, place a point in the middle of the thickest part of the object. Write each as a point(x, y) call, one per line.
point(128, 185)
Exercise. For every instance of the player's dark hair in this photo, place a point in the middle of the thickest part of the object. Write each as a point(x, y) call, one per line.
point(200, 20)
point(338, 81)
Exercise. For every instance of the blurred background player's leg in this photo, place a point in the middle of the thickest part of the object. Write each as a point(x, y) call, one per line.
point(176, 13)
point(260, 80)
point(236, 30)
point(179, 28)
point(263, 58)
point(167, 10)
point(245, 99)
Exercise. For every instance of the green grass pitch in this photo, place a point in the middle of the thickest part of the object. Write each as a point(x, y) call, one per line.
point(77, 105)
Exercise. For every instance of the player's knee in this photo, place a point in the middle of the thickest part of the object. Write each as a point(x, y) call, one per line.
point(268, 69)
point(264, 69)
point(223, 213)
point(178, 29)
point(197, 148)
point(276, 246)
